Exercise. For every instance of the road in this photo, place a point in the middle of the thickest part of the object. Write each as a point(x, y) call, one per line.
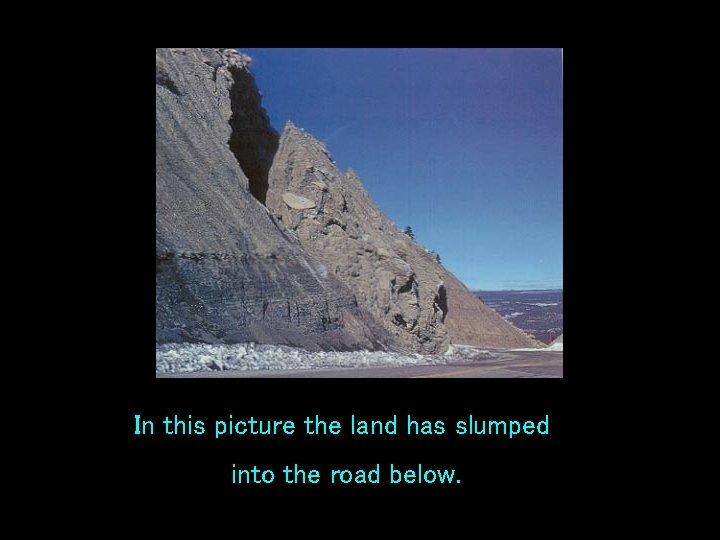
point(506, 364)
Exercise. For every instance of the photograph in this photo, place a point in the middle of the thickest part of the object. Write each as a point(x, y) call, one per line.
point(359, 213)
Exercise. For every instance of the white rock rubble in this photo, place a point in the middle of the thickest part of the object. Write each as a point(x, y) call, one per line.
point(189, 357)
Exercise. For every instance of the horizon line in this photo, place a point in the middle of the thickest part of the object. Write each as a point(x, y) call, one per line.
point(517, 290)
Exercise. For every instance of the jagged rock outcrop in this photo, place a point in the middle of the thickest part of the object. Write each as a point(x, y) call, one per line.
point(419, 303)
point(225, 272)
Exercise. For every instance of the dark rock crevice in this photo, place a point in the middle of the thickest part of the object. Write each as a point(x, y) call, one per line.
point(252, 141)
point(399, 320)
point(441, 301)
point(162, 78)
point(408, 286)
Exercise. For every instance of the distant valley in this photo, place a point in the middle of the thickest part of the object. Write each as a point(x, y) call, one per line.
point(539, 313)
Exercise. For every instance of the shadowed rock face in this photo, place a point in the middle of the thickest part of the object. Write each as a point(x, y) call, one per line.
point(419, 303)
point(225, 272)
point(323, 269)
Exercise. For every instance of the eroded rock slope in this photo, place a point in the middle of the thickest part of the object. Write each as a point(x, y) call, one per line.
point(263, 239)
point(224, 270)
point(417, 301)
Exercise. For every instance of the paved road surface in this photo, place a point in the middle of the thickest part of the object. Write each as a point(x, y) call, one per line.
point(507, 364)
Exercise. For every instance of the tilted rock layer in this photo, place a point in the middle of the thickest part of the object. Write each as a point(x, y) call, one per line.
point(320, 267)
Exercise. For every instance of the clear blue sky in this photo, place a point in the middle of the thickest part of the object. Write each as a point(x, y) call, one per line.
point(464, 145)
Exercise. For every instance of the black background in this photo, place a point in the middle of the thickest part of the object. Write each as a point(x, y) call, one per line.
point(167, 472)
point(176, 466)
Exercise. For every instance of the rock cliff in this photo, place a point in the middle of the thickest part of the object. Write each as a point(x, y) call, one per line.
point(224, 270)
point(417, 301)
point(261, 238)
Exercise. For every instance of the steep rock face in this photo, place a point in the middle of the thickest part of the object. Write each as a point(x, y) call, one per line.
point(225, 272)
point(419, 303)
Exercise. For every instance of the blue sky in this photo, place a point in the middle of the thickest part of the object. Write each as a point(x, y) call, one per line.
point(464, 145)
